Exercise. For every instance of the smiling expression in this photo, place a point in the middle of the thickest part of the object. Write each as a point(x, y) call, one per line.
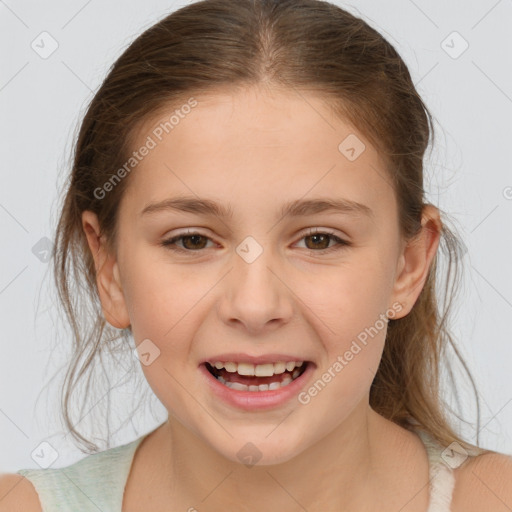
point(248, 233)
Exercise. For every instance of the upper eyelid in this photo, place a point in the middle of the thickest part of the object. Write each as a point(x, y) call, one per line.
point(307, 232)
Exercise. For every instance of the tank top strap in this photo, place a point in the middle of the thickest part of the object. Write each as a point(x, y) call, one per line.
point(96, 482)
point(442, 479)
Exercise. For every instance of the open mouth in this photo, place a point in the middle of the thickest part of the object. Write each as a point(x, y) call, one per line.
point(236, 381)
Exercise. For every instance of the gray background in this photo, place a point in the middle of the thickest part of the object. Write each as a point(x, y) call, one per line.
point(42, 99)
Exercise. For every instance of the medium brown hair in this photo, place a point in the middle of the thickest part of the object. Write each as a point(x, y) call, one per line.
point(301, 46)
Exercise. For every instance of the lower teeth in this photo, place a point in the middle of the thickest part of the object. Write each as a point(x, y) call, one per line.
point(262, 387)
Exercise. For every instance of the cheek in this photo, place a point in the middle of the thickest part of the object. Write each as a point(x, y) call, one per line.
point(157, 294)
point(353, 345)
point(160, 300)
point(166, 303)
point(351, 295)
point(350, 305)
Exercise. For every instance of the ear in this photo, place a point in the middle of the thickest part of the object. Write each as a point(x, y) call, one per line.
point(415, 260)
point(108, 279)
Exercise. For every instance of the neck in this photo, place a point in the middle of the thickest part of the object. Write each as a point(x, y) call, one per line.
point(339, 472)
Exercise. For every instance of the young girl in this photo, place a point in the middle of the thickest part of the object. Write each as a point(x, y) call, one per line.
point(246, 204)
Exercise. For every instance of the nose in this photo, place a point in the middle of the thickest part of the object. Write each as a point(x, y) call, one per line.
point(256, 296)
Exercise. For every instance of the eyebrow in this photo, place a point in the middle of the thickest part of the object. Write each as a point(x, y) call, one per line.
point(297, 208)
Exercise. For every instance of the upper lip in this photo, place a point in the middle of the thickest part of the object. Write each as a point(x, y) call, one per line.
point(246, 358)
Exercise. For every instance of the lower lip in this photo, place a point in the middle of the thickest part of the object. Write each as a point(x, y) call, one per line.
point(257, 400)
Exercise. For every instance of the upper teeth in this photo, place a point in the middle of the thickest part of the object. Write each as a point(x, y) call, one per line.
point(258, 370)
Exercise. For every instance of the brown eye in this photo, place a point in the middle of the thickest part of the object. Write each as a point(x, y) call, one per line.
point(195, 241)
point(320, 240)
point(190, 242)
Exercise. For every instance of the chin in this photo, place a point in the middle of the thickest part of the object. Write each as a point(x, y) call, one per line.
point(262, 452)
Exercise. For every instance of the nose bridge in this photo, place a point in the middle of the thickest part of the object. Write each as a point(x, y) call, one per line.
point(254, 294)
point(252, 274)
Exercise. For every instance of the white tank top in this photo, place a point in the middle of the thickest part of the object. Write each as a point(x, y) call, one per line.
point(442, 480)
point(99, 480)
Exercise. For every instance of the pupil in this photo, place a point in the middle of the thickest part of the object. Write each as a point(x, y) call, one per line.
point(314, 237)
point(195, 237)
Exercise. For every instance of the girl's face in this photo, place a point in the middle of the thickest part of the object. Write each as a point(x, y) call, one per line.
point(254, 281)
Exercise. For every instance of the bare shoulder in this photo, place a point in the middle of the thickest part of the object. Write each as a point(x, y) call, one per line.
point(484, 483)
point(17, 494)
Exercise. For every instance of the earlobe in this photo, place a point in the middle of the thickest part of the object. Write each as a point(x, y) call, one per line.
point(108, 280)
point(416, 259)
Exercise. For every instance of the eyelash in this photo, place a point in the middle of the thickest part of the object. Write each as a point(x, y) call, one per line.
point(171, 242)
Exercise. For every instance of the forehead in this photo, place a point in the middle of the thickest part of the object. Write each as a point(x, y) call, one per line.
point(253, 146)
